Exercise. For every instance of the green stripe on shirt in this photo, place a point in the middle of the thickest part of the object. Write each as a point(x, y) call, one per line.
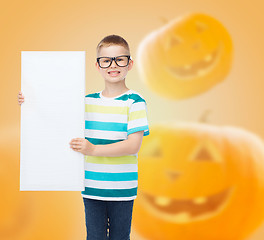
point(107, 109)
point(129, 159)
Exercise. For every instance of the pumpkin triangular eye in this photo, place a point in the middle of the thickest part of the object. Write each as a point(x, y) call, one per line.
point(203, 154)
point(172, 42)
point(200, 27)
point(152, 148)
point(206, 151)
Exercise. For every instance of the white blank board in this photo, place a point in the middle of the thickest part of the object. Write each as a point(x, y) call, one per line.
point(53, 84)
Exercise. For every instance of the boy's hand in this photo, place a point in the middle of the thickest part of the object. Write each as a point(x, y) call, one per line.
point(82, 145)
point(20, 98)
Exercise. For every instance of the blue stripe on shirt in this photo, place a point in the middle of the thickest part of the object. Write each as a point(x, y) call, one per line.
point(106, 126)
point(110, 192)
point(104, 176)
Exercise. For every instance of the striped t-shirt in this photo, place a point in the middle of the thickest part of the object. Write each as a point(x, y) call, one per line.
point(110, 120)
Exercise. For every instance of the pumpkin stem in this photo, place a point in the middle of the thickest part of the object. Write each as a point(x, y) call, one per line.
point(203, 118)
point(164, 20)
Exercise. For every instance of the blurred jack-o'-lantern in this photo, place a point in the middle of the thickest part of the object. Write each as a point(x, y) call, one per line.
point(187, 56)
point(34, 215)
point(199, 181)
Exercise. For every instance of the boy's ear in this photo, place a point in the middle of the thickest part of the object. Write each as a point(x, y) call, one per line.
point(96, 65)
point(130, 65)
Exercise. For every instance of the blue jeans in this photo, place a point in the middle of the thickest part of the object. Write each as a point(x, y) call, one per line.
point(108, 219)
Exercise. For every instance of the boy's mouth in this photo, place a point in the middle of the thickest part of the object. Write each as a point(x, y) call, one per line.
point(113, 73)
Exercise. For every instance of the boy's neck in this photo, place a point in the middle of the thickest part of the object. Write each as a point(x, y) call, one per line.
point(112, 90)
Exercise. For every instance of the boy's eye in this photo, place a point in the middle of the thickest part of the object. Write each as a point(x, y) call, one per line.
point(106, 60)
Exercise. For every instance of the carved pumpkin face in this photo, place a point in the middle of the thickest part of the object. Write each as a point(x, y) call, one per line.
point(195, 179)
point(187, 56)
point(32, 215)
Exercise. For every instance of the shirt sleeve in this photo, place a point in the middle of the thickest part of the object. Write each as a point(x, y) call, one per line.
point(137, 117)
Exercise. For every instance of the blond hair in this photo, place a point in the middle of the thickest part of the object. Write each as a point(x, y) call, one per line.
point(112, 40)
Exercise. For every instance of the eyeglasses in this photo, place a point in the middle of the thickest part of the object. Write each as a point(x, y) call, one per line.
point(121, 61)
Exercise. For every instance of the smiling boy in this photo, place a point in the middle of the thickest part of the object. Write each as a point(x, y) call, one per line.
point(115, 123)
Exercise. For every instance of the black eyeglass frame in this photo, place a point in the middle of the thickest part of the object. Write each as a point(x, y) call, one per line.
point(113, 58)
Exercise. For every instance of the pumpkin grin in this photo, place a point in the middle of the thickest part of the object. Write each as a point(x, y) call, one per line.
point(199, 68)
point(186, 210)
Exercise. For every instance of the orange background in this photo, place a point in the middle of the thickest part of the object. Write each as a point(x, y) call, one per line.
point(79, 26)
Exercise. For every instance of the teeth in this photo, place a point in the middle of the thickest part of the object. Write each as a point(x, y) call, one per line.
point(162, 201)
point(208, 58)
point(200, 200)
point(182, 217)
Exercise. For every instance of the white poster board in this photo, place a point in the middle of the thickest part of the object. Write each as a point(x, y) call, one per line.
point(53, 84)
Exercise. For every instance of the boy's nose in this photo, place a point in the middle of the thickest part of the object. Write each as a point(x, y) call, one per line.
point(113, 64)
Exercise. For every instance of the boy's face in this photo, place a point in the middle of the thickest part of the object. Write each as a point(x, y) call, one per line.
point(113, 73)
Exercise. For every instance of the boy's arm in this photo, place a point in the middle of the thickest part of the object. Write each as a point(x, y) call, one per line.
point(129, 146)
